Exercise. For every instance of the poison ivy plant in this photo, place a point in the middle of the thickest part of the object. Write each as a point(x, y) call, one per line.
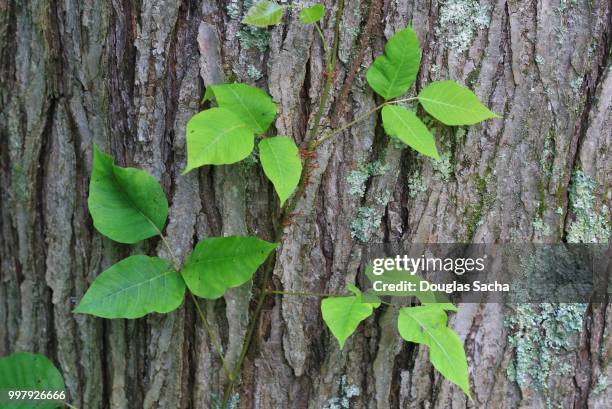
point(128, 205)
point(220, 263)
point(24, 371)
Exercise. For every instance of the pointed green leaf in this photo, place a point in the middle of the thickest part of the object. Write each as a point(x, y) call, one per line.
point(127, 205)
point(392, 73)
point(217, 137)
point(134, 287)
point(453, 104)
point(312, 14)
point(219, 263)
point(427, 325)
point(26, 371)
point(405, 125)
point(281, 163)
point(263, 13)
point(249, 104)
point(343, 314)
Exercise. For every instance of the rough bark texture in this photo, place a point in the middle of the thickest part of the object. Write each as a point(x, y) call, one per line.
point(127, 75)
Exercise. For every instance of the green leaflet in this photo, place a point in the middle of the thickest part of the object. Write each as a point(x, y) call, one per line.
point(312, 14)
point(217, 137)
point(27, 371)
point(249, 104)
point(219, 263)
point(281, 163)
point(127, 205)
point(392, 73)
point(453, 104)
point(342, 315)
point(427, 325)
point(263, 13)
point(134, 287)
point(405, 125)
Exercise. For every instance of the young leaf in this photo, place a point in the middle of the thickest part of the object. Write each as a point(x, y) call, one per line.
point(393, 73)
point(132, 288)
point(217, 137)
point(281, 163)
point(343, 314)
point(264, 13)
point(404, 124)
point(127, 205)
point(312, 14)
point(251, 105)
point(453, 104)
point(27, 371)
point(219, 263)
point(427, 325)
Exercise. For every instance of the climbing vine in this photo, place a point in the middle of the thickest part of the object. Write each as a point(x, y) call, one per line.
point(128, 205)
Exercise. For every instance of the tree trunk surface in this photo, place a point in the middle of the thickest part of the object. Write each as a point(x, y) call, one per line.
point(127, 75)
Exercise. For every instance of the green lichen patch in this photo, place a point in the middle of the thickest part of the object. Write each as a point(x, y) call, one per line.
point(358, 177)
point(589, 225)
point(541, 334)
point(459, 21)
point(416, 185)
point(365, 223)
point(443, 166)
point(347, 392)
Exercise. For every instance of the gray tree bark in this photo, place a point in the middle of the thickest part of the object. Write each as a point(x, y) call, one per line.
point(128, 75)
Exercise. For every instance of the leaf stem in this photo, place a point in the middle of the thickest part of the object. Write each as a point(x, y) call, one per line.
point(69, 405)
point(359, 119)
point(213, 340)
point(325, 47)
point(303, 294)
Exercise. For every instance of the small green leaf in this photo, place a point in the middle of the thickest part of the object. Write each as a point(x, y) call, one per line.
point(281, 163)
point(127, 205)
point(453, 104)
point(250, 104)
point(427, 325)
point(263, 13)
point(219, 263)
point(27, 371)
point(343, 314)
point(405, 125)
point(312, 14)
point(134, 287)
point(217, 137)
point(392, 73)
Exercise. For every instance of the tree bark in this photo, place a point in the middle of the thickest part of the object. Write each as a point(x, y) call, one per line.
point(127, 75)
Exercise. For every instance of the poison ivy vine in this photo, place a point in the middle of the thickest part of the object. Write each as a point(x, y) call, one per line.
point(128, 205)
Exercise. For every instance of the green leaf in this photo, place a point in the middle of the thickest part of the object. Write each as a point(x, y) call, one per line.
point(312, 14)
point(281, 163)
point(393, 73)
point(217, 137)
point(427, 325)
point(250, 104)
point(263, 13)
point(27, 371)
point(134, 287)
point(404, 124)
point(127, 205)
point(219, 263)
point(453, 104)
point(343, 314)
